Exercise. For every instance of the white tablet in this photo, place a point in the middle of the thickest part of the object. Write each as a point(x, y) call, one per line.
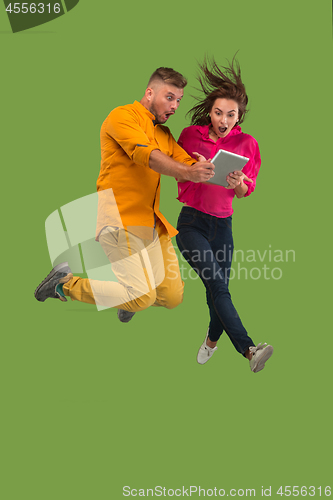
point(226, 162)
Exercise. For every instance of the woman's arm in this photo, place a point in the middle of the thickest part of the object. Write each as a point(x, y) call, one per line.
point(236, 181)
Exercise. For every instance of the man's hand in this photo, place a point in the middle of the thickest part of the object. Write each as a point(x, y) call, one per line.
point(201, 171)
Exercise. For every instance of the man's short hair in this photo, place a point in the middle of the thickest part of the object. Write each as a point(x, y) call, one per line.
point(168, 75)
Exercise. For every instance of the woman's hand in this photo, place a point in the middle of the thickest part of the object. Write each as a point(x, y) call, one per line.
point(200, 157)
point(236, 181)
point(236, 178)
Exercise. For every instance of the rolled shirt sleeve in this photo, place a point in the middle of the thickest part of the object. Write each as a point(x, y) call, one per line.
point(251, 169)
point(179, 154)
point(124, 127)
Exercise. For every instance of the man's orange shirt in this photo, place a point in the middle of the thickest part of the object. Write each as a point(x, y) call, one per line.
point(129, 191)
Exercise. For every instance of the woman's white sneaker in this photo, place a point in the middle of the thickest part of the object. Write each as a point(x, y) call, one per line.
point(260, 354)
point(205, 352)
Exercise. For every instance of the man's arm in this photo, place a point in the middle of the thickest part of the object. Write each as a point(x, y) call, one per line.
point(123, 127)
point(199, 172)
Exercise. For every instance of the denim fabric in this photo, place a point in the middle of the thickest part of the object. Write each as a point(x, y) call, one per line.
point(206, 243)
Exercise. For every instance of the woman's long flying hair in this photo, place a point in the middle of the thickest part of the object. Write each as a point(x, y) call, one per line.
point(218, 82)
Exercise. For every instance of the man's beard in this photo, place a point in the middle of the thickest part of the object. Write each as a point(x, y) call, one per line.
point(158, 118)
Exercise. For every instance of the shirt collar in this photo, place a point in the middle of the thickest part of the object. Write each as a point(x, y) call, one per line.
point(144, 110)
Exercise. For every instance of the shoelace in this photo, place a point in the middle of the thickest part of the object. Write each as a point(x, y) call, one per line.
point(260, 346)
point(210, 349)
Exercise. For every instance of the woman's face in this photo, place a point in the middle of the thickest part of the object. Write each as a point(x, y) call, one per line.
point(224, 116)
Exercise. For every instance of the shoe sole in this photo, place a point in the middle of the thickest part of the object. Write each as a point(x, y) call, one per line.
point(48, 277)
point(126, 320)
point(261, 363)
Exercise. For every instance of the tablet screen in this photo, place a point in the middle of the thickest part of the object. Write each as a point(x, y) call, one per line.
point(226, 162)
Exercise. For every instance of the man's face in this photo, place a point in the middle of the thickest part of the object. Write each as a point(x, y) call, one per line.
point(164, 101)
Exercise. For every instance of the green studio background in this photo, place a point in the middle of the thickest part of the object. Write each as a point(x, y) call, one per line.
point(90, 405)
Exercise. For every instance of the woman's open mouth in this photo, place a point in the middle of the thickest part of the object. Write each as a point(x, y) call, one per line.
point(222, 129)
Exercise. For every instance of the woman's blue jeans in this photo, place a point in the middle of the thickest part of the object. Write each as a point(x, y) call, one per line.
point(206, 243)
